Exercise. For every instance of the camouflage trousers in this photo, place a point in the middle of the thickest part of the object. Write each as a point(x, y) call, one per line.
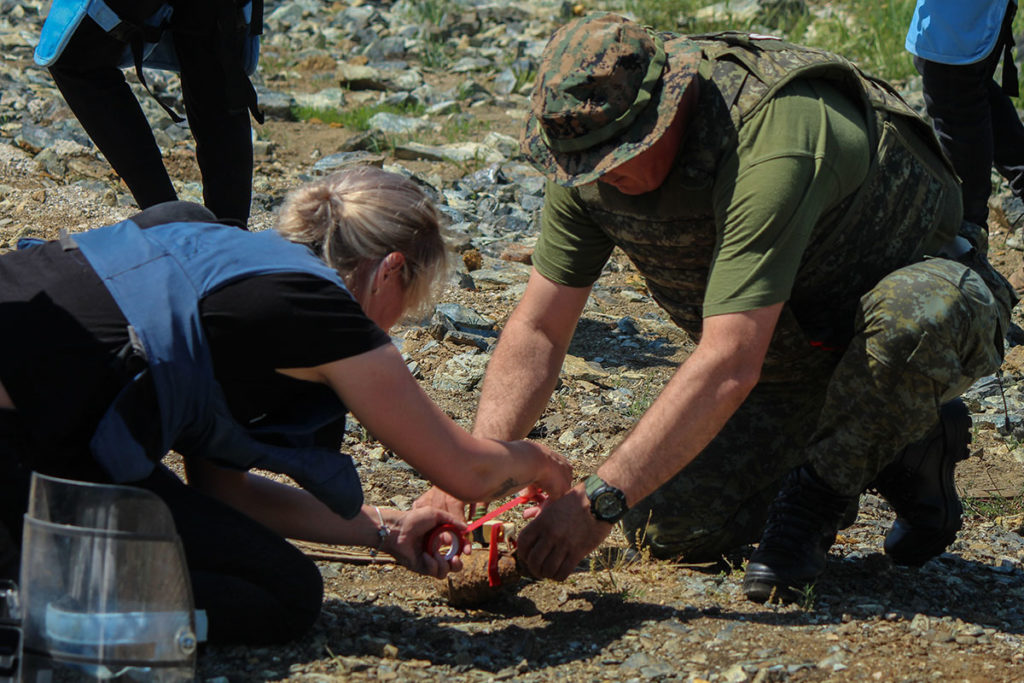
point(923, 335)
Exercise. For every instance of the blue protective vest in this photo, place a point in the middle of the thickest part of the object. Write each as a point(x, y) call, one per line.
point(955, 31)
point(158, 277)
point(157, 49)
point(150, 44)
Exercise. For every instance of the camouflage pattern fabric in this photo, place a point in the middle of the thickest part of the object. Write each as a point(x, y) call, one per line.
point(774, 62)
point(607, 89)
point(907, 207)
point(924, 334)
point(910, 332)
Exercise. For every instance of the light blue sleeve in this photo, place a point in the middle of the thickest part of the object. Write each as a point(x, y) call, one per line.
point(955, 31)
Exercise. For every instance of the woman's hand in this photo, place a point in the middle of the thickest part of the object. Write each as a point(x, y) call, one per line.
point(409, 531)
point(552, 473)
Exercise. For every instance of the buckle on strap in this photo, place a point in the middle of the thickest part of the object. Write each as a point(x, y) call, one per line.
point(956, 249)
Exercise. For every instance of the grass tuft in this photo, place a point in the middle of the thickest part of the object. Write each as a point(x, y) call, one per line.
point(870, 33)
point(357, 118)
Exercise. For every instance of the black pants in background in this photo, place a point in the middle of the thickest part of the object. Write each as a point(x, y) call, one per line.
point(96, 91)
point(976, 123)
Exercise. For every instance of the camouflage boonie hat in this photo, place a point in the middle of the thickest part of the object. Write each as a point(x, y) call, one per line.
point(607, 90)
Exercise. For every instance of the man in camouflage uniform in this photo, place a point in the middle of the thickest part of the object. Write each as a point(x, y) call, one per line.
point(791, 214)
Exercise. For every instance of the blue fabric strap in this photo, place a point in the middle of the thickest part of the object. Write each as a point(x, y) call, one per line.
point(61, 22)
point(101, 13)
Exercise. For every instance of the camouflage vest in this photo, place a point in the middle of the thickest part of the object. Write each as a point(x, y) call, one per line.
point(901, 211)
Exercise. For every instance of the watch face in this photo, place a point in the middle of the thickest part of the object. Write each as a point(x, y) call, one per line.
point(607, 505)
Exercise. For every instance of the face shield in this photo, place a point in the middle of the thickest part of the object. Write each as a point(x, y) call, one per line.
point(10, 631)
point(104, 587)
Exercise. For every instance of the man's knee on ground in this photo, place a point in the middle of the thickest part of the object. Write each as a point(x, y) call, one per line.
point(673, 537)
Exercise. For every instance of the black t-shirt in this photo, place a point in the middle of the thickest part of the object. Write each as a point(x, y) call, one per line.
point(61, 335)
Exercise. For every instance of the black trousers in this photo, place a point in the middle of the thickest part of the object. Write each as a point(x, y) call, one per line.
point(976, 123)
point(95, 89)
point(256, 587)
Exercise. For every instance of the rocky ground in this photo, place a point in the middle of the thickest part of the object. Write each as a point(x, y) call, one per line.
point(960, 617)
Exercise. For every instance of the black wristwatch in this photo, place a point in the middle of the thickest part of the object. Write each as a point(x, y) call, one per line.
point(607, 503)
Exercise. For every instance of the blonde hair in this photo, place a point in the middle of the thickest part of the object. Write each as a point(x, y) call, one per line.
point(354, 218)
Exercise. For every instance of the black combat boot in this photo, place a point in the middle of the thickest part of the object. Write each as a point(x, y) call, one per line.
point(801, 527)
point(919, 486)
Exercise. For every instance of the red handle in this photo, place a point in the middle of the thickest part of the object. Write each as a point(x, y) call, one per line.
point(461, 539)
point(458, 540)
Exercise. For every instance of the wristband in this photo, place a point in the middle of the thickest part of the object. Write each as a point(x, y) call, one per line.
point(383, 531)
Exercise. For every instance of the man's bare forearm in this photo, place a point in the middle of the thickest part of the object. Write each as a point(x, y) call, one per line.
point(525, 366)
point(519, 381)
point(696, 403)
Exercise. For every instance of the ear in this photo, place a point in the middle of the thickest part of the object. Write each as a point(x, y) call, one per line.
point(392, 263)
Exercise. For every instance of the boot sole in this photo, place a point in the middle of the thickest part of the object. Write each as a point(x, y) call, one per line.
point(955, 420)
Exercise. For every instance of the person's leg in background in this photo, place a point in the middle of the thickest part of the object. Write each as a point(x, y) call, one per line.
point(1008, 137)
point(1007, 129)
point(976, 123)
point(96, 91)
point(957, 100)
point(218, 115)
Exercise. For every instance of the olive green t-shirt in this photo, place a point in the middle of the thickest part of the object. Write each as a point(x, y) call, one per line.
point(803, 153)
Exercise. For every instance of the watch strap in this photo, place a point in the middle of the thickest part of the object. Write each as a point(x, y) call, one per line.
point(593, 483)
point(597, 489)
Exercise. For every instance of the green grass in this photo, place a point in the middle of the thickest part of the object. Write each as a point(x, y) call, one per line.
point(523, 76)
point(461, 127)
point(991, 507)
point(427, 14)
point(434, 55)
point(807, 598)
point(873, 36)
point(868, 32)
point(357, 118)
point(646, 391)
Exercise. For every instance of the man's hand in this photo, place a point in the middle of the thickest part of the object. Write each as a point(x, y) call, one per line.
point(564, 532)
point(436, 498)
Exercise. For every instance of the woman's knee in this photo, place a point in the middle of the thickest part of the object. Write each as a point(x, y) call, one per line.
point(298, 591)
point(305, 598)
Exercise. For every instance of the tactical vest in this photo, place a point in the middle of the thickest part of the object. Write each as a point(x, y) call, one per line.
point(158, 277)
point(898, 214)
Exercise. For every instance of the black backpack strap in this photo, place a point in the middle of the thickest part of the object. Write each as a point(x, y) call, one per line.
point(136, 47)
point(134, 32)
point(232, 35)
